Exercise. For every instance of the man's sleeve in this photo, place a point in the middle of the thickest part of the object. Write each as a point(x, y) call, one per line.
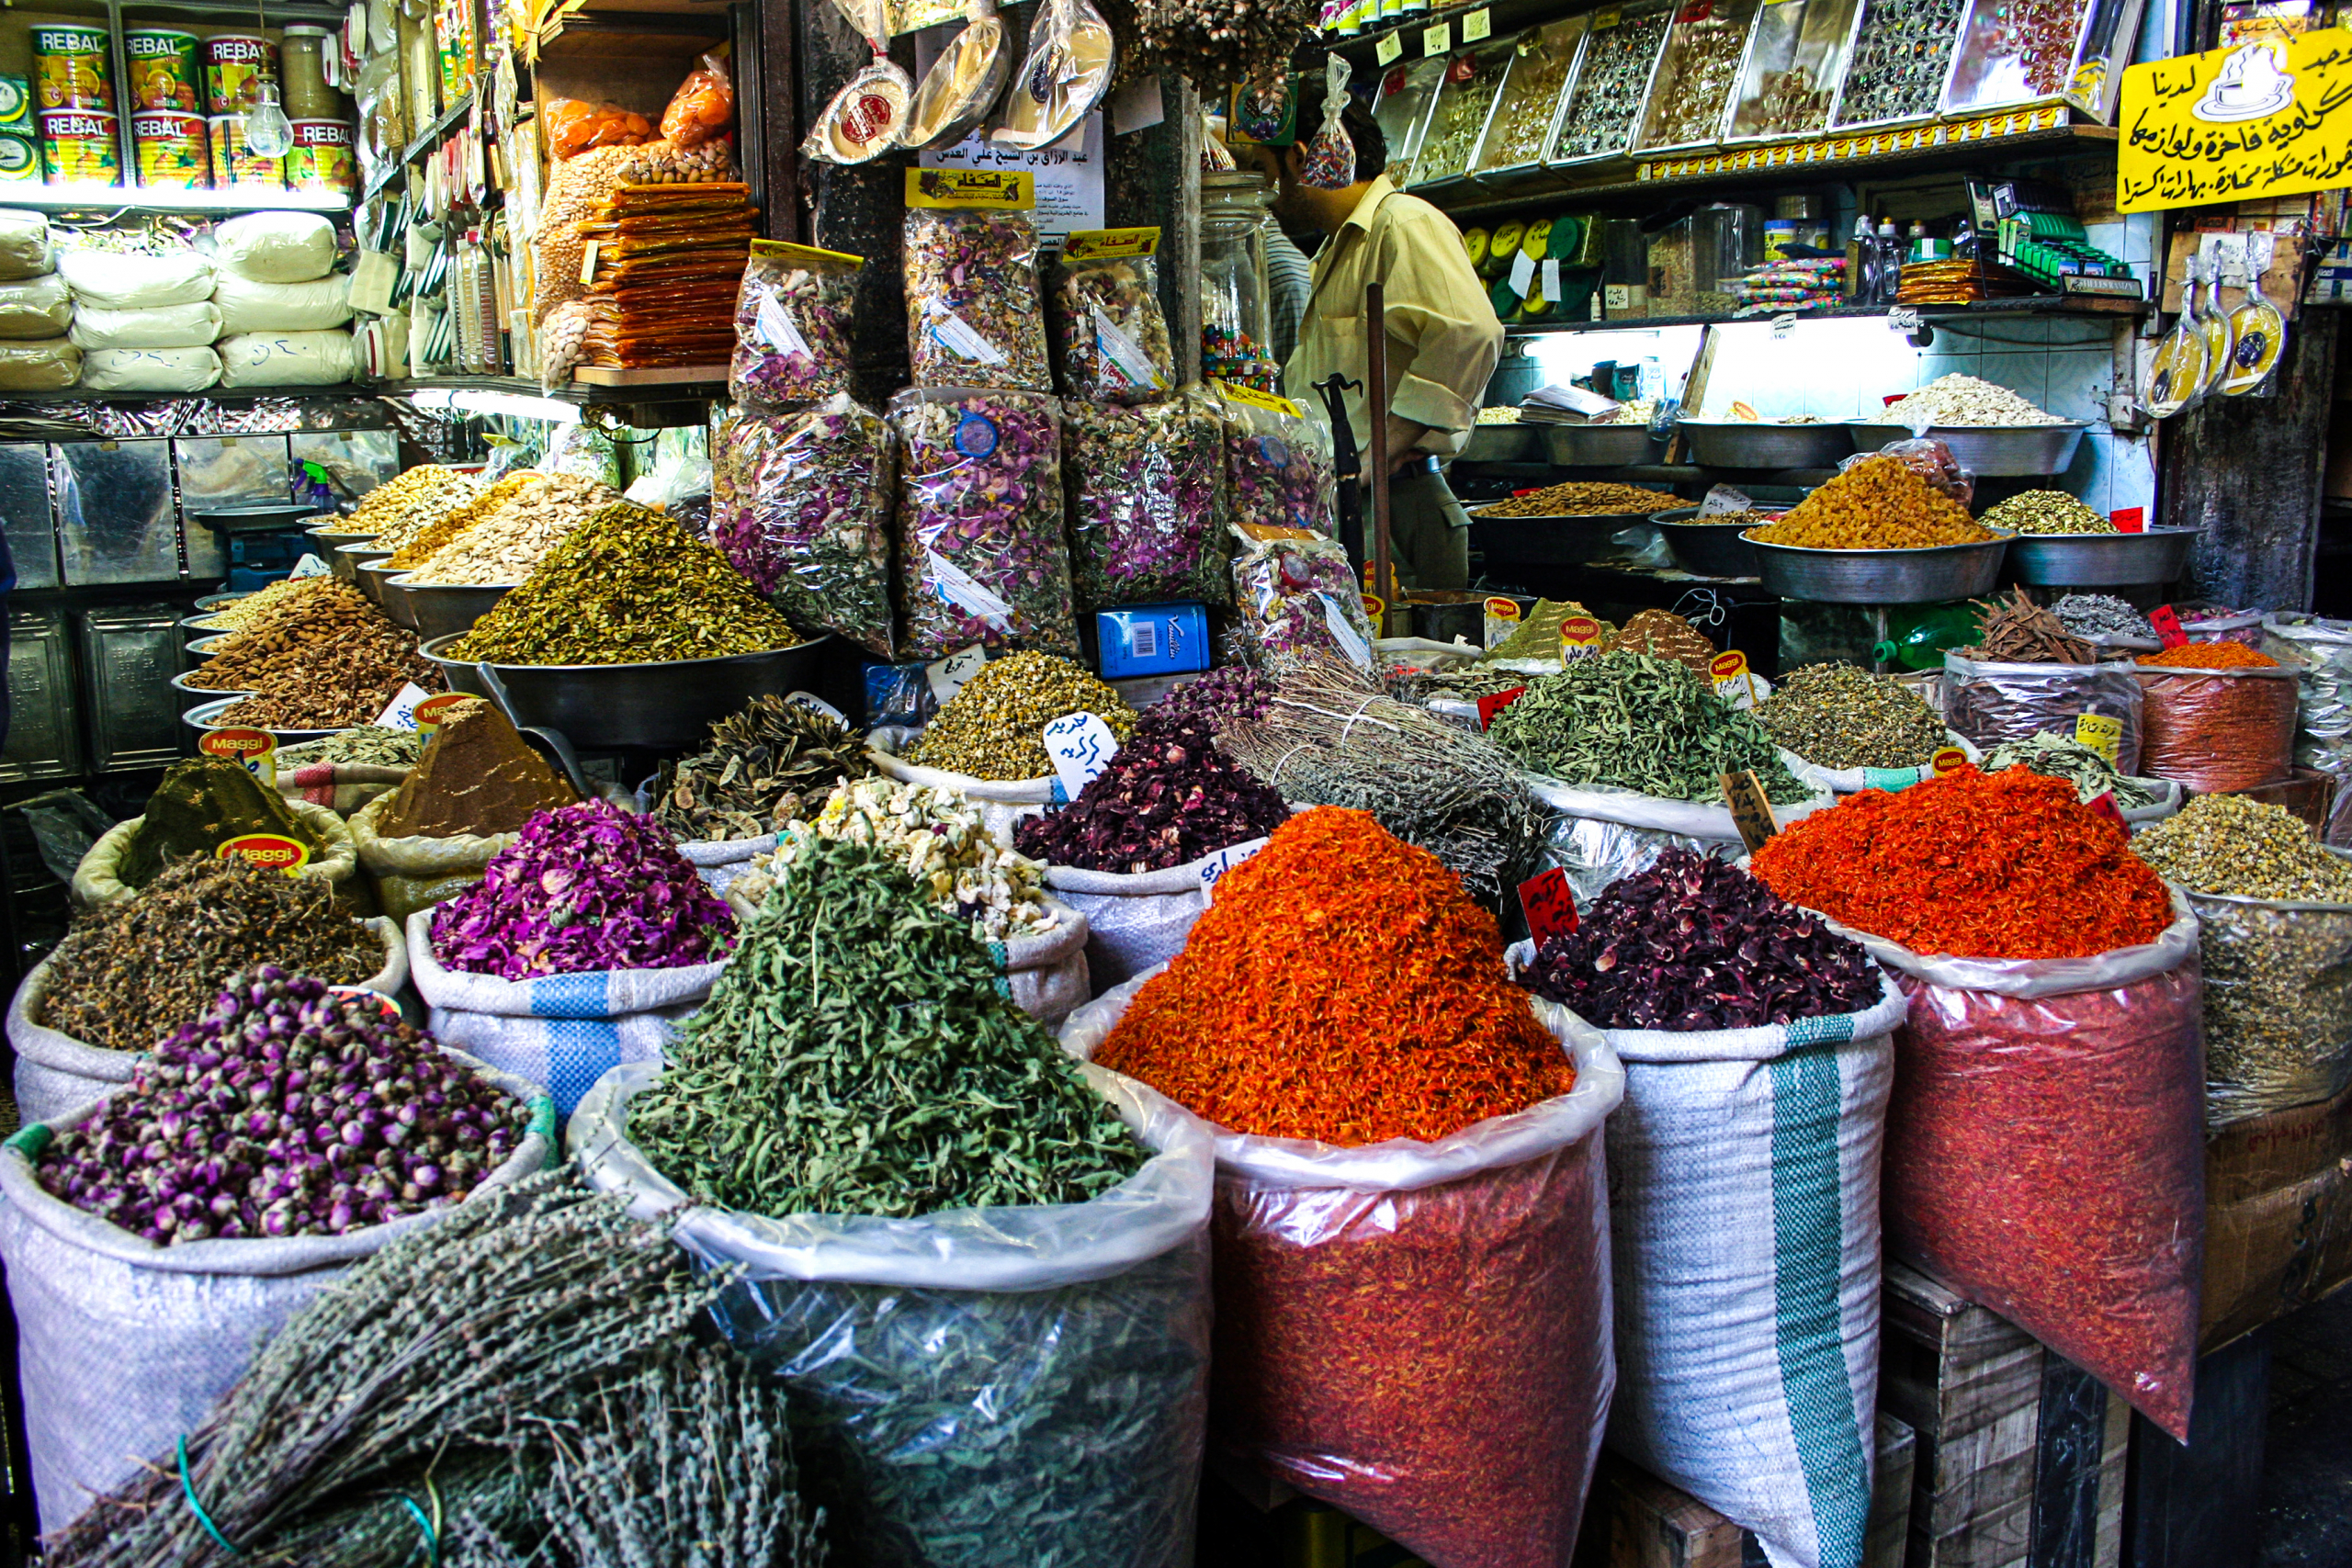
point(1435, 304)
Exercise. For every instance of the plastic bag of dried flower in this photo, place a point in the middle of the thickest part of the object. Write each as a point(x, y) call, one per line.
point(1147, 497)
point(800, 503)
point(1107, 325)
point(974, 314)
point(981, 557)
point(1297, 591)
point(1277, 461)
point(792, 324)
point(1930, 459)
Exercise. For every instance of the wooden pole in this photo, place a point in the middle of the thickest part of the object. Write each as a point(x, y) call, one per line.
point(1375, 415)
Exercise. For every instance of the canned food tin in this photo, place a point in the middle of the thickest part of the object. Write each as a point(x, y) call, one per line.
point(77, 147)
point(164, 70)
point(19, 158)
point(69, 68)
point(233, 165)
point(173, 149)
point(233, 62)
point(322, 158)
point(16, 101)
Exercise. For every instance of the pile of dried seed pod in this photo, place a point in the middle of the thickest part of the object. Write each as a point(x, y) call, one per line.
point(1240, 42)
point(505, 542)
point(2047, 512)
point(994, 727)
point(767, 763)
point(303, 630)
point(1841, 715)
point(2015, 630)
point(1666, 634)
point(1579, 498)
point(366, 743)
point(349, 680)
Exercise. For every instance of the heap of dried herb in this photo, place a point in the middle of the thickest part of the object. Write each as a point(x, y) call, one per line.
point(202, 804)
point(2015, 630)
point(1842, 716)
point(2055, 756)
point(857, 1057)
point(768, 763)
point(1637, 722)
point(1167, 798)
point(1224, 694)
point(111, 986)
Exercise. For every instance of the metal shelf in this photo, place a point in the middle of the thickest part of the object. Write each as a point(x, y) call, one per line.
point(434, 134)
point(84, 198)
point(571, 392)
point(2039, 306)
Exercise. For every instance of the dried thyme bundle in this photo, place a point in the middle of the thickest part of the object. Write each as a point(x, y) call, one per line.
point(1326, 739)
point(520, 1304)
point(1635, 721)
point(857, 1057)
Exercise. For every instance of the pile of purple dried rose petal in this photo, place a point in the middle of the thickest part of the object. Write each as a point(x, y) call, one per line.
point(1167, 798)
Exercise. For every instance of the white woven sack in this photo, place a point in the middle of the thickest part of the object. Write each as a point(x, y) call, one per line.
point(414, 854)
point(250, 307)
point(1744, 1226)
point(275, 247)
point(158, 326)
point(124, 1347)
point(286, 359)
point(56, 1072)
point(720, 862)
point(95, 881)
point(150, 369)
point(560, 1031)
point(123, 280)
point(1000, 800)
point(1853, 781)
point(1599, 833)
point(1138, 921)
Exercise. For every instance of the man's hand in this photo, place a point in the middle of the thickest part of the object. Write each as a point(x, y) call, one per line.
point(1404, 438)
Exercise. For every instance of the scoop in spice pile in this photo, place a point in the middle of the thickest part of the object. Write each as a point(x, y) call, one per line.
point(201, 804)
point(1579, 498)
point(2228, 844)
point(857, 1057)
point(1633, 721)
point(767, 763)
point(627, 586)
point(994, 727)
point(1167, 798)
point(1841, 715)
point(2222, 655)
point(478, 776)
point(1666, 635)
point(2055, 757)
point(1696, 943)
point(1974, 865)
point(1344, 988)
point(583, 888)
point(939, 838)
point(2048, 511)
point(1878, 504)
point(2015, 630)
point(214, 917)
point(284, 1109)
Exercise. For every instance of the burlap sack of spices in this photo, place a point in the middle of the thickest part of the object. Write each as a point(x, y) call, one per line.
point(2045, 1150)
point(1418, 1333)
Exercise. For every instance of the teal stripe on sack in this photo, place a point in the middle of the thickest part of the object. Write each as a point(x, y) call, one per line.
point(1807, 1256)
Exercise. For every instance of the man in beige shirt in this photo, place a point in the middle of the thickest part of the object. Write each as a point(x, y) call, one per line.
point(1443, 341)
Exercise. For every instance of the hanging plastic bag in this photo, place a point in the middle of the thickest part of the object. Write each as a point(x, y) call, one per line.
point(1147, 503)
point(2278, 1003)
point(1278, 461)
point(574, 127)
point(1297, 591)
point(792, 316)
point(2320, 653)
point(975, 317)
point(865, 116)
point(981, 557)
point(1071, 59)
point(1113, 338)
point(1331, 156)
point(962, 84)
point(1930, 459)
point(800, 503)
point(702, 108)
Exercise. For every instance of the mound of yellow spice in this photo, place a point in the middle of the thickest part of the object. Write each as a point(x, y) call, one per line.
point(1882, 504)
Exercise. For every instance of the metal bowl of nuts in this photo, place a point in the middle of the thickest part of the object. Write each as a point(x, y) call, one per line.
point(666, 707)
point(2101, 560)
point(207, 646)
point(1931, 576)
point(1713, 547)
point(439, 609)
point(1598, 445)
point(1754, 444)
point(372, 574)
point(206, 716)
point(1990, 451)
point(196, 696)
point(344, 559)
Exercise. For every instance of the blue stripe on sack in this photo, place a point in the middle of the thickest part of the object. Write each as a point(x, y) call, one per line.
point(580, 1051)
point(569, 996)
point(1808, 1256)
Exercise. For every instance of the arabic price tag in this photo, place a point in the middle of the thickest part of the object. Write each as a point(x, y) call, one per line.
point(1751, 813)
point(1550, 904)
point(1214, 867)
point(817, 705)
point(1081, 746)
point(2103, 733)
point(1579, 634)
point(2130, 519)
point(256, 748)
point(2104, 804)
point(1494, 704)
point(948, 675)
point(309, 566)
point(2167, 624)
point(401, 712)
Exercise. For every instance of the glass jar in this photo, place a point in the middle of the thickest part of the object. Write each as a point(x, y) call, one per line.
point(302, 76)
point(1236, 328)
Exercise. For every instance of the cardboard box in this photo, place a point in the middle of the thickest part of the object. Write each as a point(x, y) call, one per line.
point(2263, 1154)
point(2269, 1255)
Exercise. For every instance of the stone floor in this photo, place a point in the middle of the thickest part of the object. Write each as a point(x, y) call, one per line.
point(2307, 1477)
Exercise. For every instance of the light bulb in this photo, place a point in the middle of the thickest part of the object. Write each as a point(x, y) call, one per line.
point(268, 134)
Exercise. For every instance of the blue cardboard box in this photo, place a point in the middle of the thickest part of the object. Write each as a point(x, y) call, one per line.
point(1153, 640)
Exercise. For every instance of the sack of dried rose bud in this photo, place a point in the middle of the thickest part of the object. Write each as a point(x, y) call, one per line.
point(2212, 730)
point(2045, 1150)
point(1418, 1333)
point(800, 503)
point(96, 880)
point(560, 1031)
point(1745, 1242)
point(1278, 465)
point(128, 1345)
point(56, 1072)
point(1028, 1312)
point(1990, 704)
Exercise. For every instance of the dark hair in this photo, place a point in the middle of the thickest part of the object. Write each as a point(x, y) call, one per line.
point(1371, 141)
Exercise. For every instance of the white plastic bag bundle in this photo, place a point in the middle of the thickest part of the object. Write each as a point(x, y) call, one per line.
point(1853, 781)
point(275, 247)
point(250, 307)
point(560, 1031)
point(23, 244)
point(37, 308)
point(150, 369)
point(124, 1346)
point(56, 1072)
point(950, 1373)
point(1599, 833)
point(286, 359)
point(123, 280)
point(43, 365)
point(160, 326)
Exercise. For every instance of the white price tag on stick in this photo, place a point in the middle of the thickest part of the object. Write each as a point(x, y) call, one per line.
point(309, 566)
point(817, 705)
point(1214, 867)
point(947, 676)
point(1081, 746)
point(402, 712)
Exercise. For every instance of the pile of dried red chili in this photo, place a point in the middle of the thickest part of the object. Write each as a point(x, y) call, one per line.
point(1974, 865)
point(2211, 656)
point(1342, 988)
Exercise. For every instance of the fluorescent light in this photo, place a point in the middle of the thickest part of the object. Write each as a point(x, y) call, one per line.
point(517, 405)
point(431, 396)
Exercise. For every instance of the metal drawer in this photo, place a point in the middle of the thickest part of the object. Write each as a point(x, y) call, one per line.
point(225, 470)
point(116, 522)
point(44, 733)
point(24, 512)
point(129, 653)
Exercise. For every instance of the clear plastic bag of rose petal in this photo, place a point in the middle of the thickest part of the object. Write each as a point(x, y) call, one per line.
point(974, 318)
point(1278, 466)
point(1108, 328)
point(800, 503)
point(1297, 591)
point(1146, 523)
point(792, 322)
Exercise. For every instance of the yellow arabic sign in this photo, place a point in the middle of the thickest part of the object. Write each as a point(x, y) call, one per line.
point(2270, 117)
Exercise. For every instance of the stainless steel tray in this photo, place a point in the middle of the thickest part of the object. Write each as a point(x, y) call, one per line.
point(1751, 444)
point(1932, 576)
point(1710, 550)
point(439, 609)
point(661, 707)
point(1990, 451)
point(1596, 446)
point(2101, 560)
point(1500, 443)
point(344, 559)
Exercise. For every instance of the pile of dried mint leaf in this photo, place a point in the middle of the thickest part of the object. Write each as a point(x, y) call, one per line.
point(1635, 721)
point(770, 762)
point(857, 1058)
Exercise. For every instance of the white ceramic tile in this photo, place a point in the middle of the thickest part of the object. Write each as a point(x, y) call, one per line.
point(2025, 372)
point(2077, 381)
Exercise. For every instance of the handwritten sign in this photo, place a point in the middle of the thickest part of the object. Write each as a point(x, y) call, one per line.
point(1579, 634)
point(401, 712)
point(256, 748)
point(1390, 48)
point(1214, 867)
point(1081, 746)
point(2103, 733)
point(2268, 117)
point(948, 675)
point(2167, 624)
point(1550, 903)
point(1751, 811)
point(270, 852)
point(1495, 703)
point(1731, 666)
point(1501, 619)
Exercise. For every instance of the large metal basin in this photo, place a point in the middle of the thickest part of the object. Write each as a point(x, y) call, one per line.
point(1512, 442)
point(1990, 451)
point(1752, 444)
point(439, 609)
point(1932, 576)
point(2101, 560)
point(1598, 445)
point(201, 696)
point(657, 707)
point(344, 559)
point(1710, 550)
point(1548, 541)
point(203, 717)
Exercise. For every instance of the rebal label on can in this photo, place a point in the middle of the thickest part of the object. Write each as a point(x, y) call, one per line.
point(164, 70)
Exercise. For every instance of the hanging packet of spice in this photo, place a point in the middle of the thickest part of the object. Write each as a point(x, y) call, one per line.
point(1407, 1329)
point(975, 315)
point(792, 324)
point(1278, 463)
point(800, 503)
point(1014, 1233)
point(1297, 591)
point(1109, 333)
